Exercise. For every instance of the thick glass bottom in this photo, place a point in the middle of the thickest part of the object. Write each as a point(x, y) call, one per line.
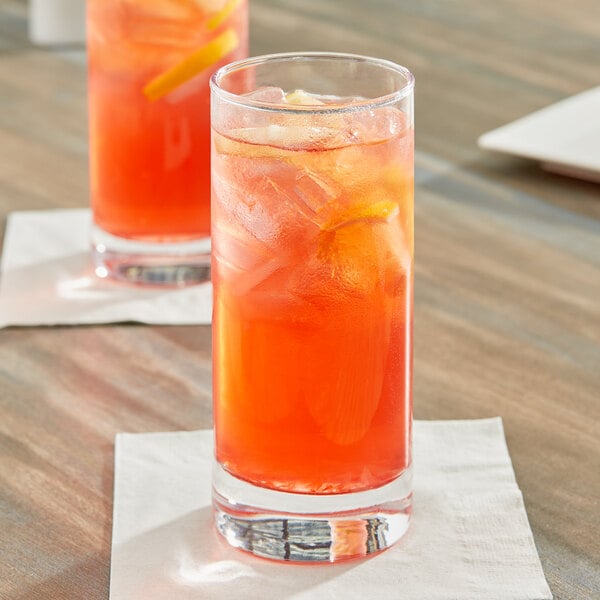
point(151, 264)
point(311, 528)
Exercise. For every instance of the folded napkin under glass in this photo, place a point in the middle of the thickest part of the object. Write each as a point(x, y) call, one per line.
point(47, 278)
point(469, 538)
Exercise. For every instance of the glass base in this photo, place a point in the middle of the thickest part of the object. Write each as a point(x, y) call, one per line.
point(151, 264)
point(311, 528)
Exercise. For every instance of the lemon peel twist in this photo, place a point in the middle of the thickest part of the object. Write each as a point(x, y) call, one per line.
point(218, 18)
point(191, 65)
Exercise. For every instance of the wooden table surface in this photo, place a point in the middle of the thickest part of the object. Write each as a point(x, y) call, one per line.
point(507, 314)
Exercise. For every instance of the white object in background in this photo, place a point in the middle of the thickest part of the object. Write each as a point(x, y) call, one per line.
point(564, 137)
point(56, 21)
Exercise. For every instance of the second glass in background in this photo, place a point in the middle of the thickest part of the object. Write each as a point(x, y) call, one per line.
point(149, 68)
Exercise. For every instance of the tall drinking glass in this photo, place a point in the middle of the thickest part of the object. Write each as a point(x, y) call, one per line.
point(149, 99)
point(312, 225)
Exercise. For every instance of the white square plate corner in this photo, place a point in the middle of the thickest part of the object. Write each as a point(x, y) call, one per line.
point(563, 137)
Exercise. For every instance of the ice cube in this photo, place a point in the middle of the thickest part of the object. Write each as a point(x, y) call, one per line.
point(209, 7)
point(242, 261)
point(270, 285)
point(315, 192)
point(371, 126)
point(237, 117)
point(288, 137)
point(258, 203)
point(161, 32)
point(270, 94)
point(159, 9)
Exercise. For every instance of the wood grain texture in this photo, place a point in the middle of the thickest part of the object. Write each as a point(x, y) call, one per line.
point(507, 317)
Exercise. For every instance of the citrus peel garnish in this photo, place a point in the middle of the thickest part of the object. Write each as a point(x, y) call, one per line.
point(302, 98)
point(378, 211)
point(222, 15)
point(193, 64)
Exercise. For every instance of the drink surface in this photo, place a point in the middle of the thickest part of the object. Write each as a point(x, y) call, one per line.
point(312, 268)
point(150, 157)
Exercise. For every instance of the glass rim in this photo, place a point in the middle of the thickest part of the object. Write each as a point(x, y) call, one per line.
point(366, 104)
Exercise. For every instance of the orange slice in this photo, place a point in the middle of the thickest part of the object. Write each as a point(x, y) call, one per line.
point(193, 64)
point(222, 15)
point(378, 211)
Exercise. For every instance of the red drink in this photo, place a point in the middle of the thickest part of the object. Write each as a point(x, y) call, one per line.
point(312, 264)
point(149, 66)
point(312, 271)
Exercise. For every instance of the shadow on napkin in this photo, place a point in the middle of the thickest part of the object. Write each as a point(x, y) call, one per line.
point(71, 277)
point(189, 555)
point(469, 537)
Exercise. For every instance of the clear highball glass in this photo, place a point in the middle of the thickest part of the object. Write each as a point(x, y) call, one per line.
point(312, 262)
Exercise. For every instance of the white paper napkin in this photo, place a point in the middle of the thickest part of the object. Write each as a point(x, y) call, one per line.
point(469, 538)
point(47, 278)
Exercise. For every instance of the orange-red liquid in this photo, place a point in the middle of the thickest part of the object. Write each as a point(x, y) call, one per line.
point(150, 160)
point(312, 268)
